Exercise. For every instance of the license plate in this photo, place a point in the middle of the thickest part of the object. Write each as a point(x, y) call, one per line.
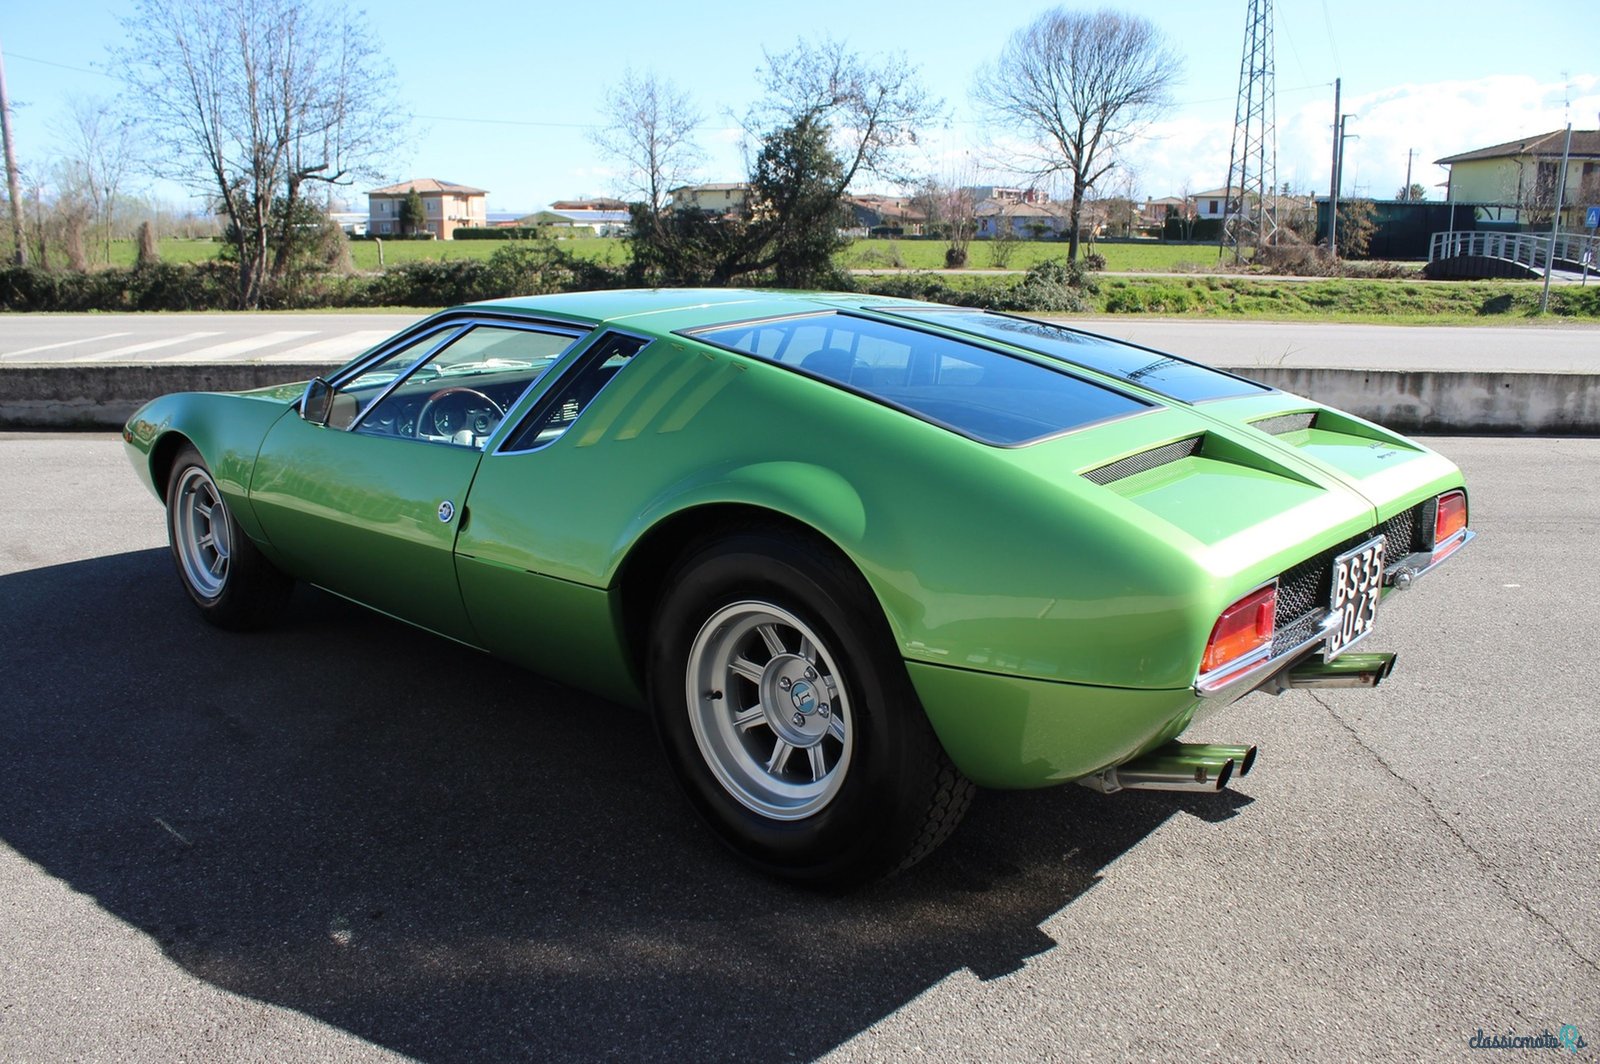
point(1353, 605)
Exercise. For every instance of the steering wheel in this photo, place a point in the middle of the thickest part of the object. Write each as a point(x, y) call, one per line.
point(450, 427)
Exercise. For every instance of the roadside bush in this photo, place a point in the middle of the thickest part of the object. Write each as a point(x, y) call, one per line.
point(1298, 260)
point(540, 267)
point(429, 283)
point(173, 286)
point(158, 286)
point(516, 232)
point(28, 288)
point(1576, 302)
point(1051, 286)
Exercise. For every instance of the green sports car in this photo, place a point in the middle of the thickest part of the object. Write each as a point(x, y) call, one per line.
point(855, 555)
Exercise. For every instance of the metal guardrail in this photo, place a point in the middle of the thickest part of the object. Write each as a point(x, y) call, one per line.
point(1529, 249)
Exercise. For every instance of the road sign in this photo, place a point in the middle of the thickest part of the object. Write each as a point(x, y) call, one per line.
point(1591, 220)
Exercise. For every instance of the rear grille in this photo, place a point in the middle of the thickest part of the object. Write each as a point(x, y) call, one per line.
point(1304, 589)
point(1138, 463)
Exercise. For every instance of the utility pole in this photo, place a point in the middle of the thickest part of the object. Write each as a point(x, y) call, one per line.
point(1409, 153)
point(1333, 176)
point(1555, 222)
point(1340, 136)
point(13, 189)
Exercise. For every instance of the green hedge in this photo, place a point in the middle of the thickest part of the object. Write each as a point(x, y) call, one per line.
point(533, 267)
point(162, 286)
point(515, 232)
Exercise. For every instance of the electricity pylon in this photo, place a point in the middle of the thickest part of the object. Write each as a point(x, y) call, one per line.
point(1253, 156)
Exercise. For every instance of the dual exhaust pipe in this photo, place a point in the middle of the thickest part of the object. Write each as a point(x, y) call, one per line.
point(1208, 767)
point(1204, 767)
point(1346, 670)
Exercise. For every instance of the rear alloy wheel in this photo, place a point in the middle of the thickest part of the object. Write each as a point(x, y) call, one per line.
point(773, 722)
point(228, 578)
point(787, 715)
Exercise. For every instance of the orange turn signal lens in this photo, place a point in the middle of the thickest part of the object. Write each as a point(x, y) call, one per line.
point(1452, 516)
point(1244, 627)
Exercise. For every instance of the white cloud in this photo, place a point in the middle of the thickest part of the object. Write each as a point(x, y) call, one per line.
point(1436, 119)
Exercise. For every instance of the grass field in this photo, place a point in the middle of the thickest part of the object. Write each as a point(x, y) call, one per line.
point(929, 255)
point(860, 255)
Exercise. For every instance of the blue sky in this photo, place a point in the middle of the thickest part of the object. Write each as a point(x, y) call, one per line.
point(503, 91)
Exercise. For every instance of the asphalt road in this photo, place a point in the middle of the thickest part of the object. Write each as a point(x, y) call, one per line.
point(344, 839)
point(330, 338)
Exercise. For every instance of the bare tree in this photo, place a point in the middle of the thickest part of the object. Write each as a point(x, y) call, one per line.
point(951, 206)
point(650, 128)
point(247, 100)
point(826, 116)
point(1080, 86)
point(873, 109)
point(99, 152)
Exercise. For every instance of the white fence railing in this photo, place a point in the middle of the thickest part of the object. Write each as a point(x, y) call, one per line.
point(1530, 249)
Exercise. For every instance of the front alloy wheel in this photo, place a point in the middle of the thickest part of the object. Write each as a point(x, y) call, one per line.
point(201, 536)
point(225, 574)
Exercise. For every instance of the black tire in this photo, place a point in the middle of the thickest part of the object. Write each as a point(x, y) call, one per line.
point(882, 794)
point(232, 583)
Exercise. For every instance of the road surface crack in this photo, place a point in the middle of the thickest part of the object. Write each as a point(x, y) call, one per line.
point(1489, 869)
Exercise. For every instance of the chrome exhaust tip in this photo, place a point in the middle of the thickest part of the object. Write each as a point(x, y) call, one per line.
point(1194, 767)
point(1347, 670)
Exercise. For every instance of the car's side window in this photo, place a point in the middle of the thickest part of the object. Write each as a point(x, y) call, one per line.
point(549, 420)
point(468, 378)
point(360, 391)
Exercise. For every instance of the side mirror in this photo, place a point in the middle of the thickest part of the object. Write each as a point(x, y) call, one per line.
point(317, 402)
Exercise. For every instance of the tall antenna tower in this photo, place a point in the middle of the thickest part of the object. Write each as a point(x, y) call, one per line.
point(1253, 156)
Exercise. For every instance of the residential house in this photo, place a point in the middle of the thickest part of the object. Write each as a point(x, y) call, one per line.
point(884, 215)
point(1516, 181)
point(599, 203)
point(1217, 203)
point(604, 217)
point(1034, 197)
point(727, 197)
point(1153, 215)
point(447, 207)
point(1025, 221)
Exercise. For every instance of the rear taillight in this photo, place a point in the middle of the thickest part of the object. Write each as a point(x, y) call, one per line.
point(1244, 628)
point(1451, 517)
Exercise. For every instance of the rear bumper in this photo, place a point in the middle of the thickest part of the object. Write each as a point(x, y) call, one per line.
point(1014, 732)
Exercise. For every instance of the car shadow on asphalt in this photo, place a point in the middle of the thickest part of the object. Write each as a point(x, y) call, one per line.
point(458, 860)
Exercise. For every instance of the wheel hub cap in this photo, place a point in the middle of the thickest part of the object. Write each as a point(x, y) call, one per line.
point(795, 702)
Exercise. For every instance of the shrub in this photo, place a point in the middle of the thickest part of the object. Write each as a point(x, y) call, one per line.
point(429, 284)
point(1052, 285)
point(1576, 302)
point(518, 232)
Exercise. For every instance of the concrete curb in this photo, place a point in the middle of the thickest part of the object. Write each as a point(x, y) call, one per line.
point(103, 395)
point(1464, 403)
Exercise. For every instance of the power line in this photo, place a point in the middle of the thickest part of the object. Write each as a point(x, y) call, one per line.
point(63, 66)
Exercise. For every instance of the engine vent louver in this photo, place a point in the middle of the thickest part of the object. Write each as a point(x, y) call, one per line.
point(1277, 426)
point(1138, 463)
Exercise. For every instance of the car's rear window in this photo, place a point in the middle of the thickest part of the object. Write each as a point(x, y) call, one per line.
point(974, 390)
point(1168, 375)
